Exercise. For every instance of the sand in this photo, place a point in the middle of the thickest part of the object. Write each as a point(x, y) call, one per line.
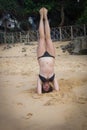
point(21, 108)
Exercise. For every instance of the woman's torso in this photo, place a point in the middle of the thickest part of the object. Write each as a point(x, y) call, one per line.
point(46, 66)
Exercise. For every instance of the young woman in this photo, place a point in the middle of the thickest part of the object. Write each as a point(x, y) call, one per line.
point(46, 56)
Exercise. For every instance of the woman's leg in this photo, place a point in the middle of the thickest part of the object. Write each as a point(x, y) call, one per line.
point(41, 45)
point(49, 45)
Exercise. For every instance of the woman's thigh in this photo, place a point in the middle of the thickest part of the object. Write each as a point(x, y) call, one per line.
point(50, 47)
point(41, 47)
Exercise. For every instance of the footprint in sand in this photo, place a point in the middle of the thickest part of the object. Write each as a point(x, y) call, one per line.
point(52, 101)
point(20, 104)
point(36, 96)
point(82, 100)
point(48, 103)
point(28, 116)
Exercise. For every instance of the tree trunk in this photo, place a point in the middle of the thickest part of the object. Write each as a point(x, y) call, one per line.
point(62, 16)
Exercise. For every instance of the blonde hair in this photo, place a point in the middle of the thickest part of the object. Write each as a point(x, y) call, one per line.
point(50, 88)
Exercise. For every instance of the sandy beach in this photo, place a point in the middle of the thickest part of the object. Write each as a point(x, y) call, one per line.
point(21, 108)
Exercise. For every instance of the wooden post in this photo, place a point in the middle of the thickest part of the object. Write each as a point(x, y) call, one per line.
point(72, 33)
point(60, 33)
point(28, 37)
point(12, 38)
point(20, 38)
point(4, 37)
point(84, 30)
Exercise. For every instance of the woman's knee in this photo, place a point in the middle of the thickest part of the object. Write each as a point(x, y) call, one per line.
point(42, 39)
point(48, 42)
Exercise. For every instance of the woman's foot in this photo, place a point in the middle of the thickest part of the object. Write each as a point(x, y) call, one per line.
point(45, 11)
point(41, 11)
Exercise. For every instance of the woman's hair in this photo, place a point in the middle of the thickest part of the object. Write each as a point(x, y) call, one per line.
point(49, 90)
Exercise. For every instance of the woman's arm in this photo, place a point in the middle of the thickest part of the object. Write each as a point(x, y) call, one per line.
point(39, 86)
point(56, 85)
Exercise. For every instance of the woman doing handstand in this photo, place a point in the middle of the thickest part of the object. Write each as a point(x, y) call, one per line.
point(46, 57)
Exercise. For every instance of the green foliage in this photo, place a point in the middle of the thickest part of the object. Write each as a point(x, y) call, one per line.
point(74, 11)
point(8, 5)
point(34, 6)
point(24, 25)
point(83, 18)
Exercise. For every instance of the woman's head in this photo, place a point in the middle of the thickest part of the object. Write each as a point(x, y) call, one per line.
point(47, 87)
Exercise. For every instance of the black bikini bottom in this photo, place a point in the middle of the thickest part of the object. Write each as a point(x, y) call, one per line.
point(43, 79)
point(46, 54)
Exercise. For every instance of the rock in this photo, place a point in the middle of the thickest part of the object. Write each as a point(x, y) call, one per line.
point(84, 43)
point(76, 46)
point(7, 47)
point(83, 52)
point(23, 49)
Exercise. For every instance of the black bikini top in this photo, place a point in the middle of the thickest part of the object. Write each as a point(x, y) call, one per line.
point(46, 54)
point(43, 79)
